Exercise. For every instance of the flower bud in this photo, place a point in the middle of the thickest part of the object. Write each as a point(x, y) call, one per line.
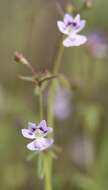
point(19, 58)
point(88, 3)
point(69, 8)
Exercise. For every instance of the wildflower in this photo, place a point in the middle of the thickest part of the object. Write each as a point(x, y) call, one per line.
point(71, 26)
point(38, 133)
point(62, 104)
point(97, 45)
point(82, 151)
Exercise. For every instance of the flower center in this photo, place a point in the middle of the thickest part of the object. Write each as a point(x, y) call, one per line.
point(74, 24)
point(38, 133)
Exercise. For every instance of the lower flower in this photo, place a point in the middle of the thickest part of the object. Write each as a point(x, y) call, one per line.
point(38, 133)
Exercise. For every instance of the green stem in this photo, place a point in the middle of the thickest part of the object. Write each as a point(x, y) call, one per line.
point(50, 119)
point(56, 68)
point(47, 158)
point(50, 116)
point(47, 167)
point(41, 104)
point(58, 60)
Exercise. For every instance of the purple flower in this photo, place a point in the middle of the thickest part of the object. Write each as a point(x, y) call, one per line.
point(38, 133)
point(71, 26)
point(34, 131)
point(62, 104)
point(97, 44)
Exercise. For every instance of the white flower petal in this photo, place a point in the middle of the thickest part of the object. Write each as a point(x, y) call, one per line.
point(67, 18)
point(81, 26)
point(43, 127)
point(27, 134)
point(75, 40)
point(40, 144)
point(31, 126)
point(43, 124)
point(77, 18)
point(62, 27)
point(32, 146)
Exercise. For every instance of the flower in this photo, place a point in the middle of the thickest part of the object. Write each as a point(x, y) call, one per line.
point(71, 26)
point(62, 104)
point(82, 151)
point(38, 133)
point(97, 44)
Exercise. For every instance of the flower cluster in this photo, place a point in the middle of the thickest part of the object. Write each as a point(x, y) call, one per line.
point(71, 27)
point(38, 133)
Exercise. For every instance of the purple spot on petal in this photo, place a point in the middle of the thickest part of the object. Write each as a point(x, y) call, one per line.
point(33, 129)
point(72, 39)
point(69, 24)
point(43, 129)
point(30, 133)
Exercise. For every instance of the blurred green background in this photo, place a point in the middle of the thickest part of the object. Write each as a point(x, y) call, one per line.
point(29, 26)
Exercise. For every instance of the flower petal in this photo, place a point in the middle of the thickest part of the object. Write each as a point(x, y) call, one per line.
point(40, 144)
point(31, 126)
point(77, 18)
point(32, 146)
point(67, 18)
point(27, 134)
point(43, 127)
point(75, 40)
point(81, 26)
point(62, 27)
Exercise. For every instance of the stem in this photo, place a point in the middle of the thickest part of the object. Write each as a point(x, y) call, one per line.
point(58, 60)
point(50, 119)
point(47, 167)
point(56, 68)
point(41, 104)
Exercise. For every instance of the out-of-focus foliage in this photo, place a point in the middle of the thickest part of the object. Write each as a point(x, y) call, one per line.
point(30, 27)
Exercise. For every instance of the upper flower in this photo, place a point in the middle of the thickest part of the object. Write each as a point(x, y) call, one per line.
point(38, 133)
point(34, 131)
point(71, 26)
